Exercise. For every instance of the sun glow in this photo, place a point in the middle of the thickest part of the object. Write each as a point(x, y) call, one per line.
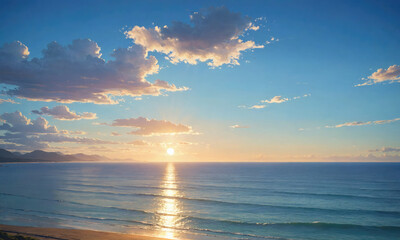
point(170, 151)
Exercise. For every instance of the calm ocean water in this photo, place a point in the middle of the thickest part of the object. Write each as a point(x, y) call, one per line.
point(207, 200)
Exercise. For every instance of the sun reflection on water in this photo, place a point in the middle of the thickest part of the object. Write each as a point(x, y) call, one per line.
point(169, 207)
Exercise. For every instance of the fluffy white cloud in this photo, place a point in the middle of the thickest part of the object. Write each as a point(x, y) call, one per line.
point(77, 73)
point(62, 112)
point(213, 36)
point(392, 74)
point(359, 123)
point(149, 127)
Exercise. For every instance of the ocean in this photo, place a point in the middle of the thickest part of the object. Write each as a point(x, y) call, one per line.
point(207, 200)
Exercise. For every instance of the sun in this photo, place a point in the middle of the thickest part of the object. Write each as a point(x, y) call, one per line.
point(170, 151)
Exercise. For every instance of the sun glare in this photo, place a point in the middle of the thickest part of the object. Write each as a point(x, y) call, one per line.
point(170, 151)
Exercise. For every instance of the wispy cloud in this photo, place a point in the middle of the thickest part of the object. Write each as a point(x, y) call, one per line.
point(359, 123)
point(272, 40)
point(386, 149)
point(257, 107)
point(63, 113)
point(139, 143)
point(89, 78)
point(213, 36)
point(391, 75)
point(273, 100)
point(8, 101)
point(238, 126)
point(365, 157)
point(151, 127)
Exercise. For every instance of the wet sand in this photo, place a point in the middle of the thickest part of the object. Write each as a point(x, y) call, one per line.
point(70, 234)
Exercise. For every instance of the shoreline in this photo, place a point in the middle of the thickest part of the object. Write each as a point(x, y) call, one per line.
point(70, 234)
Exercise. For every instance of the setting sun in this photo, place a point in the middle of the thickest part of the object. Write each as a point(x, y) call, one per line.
point(170, 151)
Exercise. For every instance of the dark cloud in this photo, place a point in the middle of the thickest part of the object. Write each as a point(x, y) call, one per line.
point(77, 73)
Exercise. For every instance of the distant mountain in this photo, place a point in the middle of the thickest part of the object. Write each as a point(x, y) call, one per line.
point(6, 154)
point(47, 156)
point(42, 156)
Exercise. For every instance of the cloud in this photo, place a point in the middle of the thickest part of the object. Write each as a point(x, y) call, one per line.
point(329, 158)
point(386, 149)
point(257, 107)
point(139, 143)
point(149, 127)
point(26, 134)
point(77, 132)
point(391, 75)
point(65, 138)
point(186, 143)
point(115, 134)
point(213, 36)
point(276, 99)
point(238, 126)
point(272, 40)
point(41, 141)
point(18, 123)
point(63, 113)
point(8, 100)
point(359, 123)
point(77, 73)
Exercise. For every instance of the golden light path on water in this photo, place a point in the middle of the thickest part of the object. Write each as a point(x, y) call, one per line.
point(169, 207)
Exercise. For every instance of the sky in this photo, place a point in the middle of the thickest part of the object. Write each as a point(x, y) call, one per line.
point(217, 81)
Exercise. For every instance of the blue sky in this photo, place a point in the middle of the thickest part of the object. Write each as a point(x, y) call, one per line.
point(324, 49)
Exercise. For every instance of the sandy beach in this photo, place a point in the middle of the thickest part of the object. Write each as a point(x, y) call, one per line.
point(70, 234)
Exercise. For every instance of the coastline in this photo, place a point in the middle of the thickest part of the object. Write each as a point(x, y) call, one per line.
point(70, 234)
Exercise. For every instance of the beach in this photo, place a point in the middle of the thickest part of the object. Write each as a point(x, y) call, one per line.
point(70, 234)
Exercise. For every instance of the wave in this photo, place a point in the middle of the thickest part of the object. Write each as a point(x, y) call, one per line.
point(323, 226)
point(190, 230)
point(242, 203)
point(193, 217)
point(82, 217)
point(279, 192)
